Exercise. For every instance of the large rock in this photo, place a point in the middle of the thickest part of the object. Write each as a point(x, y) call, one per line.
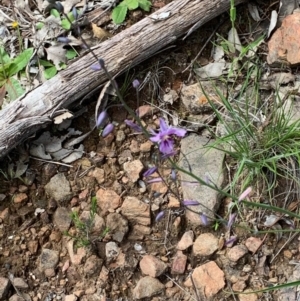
point(284, 45)
point(206, 163)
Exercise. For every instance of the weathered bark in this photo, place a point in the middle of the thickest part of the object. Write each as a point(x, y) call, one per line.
point(29, 113)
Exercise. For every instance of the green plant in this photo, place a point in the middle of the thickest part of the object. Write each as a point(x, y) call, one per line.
point(9, 68)
point(84, 227)
point(120, 11)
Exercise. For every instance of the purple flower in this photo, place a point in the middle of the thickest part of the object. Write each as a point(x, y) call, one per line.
point(229, 242)
point(190, 203)
point(108, 129)
point(101, 119)
point(163, 137)
point(245, 194)
point(150, 171)
point(75, 13)
point(231, 220)
point(155, 180)
point(203, 219)
point(159, 216)
point(101, 63)
point(135, 84)
point(96, 67)
point(133, 125)
point(63, 40)
point(173, 174)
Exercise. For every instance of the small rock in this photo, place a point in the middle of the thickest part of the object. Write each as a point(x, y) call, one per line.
point(170, 97)
point(111, 250)
point(107, 200)
point(186, 240)
point(83, 195)
point(179, 263)
point(98, 222)
point(4, 287)
point(16, 297)
point(136, 211)
point(49, 273)
point(120, 136)
point(92, 265)
point(70, 298)
point(23, 188)
point(205, 244)
point(146, 110)
point(32, 246)
point(20, 283)
point(62, 219)
point(147, 287)
point(283, 47)
point(133, 170)
point(117, 225)
point(98, 174)
point(288, 254)
point(134, 147)
point(48, 259)
point(59, 188)
point(237, 252)
point(208, 278)
point(248, 297)
point(146, 146)
point(20, 198)
point(239, 286)
point(253, 243)
point(4, 214)
point(173, 202)
point(152, 266)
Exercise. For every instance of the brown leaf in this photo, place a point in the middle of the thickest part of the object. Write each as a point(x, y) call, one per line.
point(2, 94)
point(99, 32)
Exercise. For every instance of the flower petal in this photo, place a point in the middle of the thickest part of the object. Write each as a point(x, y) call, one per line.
point(162, 124)
point(166, 146)
point(156, 138)
point(176, 131)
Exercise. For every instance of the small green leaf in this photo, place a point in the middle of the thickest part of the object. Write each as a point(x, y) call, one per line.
point(144, 4)
point(119, 13)
point(45, 63)
point(55, 13)
point(4, 56)
point(50, 72)
point(20, 62)
point(131, 4)
point(14, 88)
point(65, 24)
point(39, 25)
point(71, 53)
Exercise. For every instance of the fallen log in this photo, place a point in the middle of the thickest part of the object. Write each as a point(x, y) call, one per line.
point(34, 110)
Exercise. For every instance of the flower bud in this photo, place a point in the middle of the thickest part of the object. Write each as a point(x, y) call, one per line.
point(135, 84)
point(63, 40)
point(96, 67)
point(75, 13)
point(190, 203)
point(203, 219)
point(101, 119)
point(108, 129)
point(159, 216)
point(133, 125)
point(101, 63)
point(59, 7)
point(150, 171)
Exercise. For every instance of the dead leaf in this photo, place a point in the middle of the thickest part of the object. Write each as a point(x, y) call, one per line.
point(254, 12)
point(75, 155)
point(2, 94)
point(273, 22)
point(99, 32)
point(68, 4)
point(57, 54)
point(60, 118)
point(39, 152)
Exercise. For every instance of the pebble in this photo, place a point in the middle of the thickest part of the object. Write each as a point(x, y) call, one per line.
point(179, 263)
point(20, 198)
point(92, 265)
point(117, 225)
point(136, 211)
point(4, 287)
point(111, 250)
point(208, 278)
point(145, 110)
point(62, 219)
point(147, 287)
point(237, 252)
point(59, 188)
point(107, 200)
point(98, 174)
point(186, 240)
point(205, 244)
point(248, 297)
point(152, 266)
point(253, 243)
point(20, 283)
point(134, 147)
point(70, 298)
point(146, 146)
point(133, 170)
point(48, 259)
